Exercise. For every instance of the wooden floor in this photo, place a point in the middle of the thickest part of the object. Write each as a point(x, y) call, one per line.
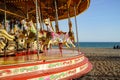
point(51, 54)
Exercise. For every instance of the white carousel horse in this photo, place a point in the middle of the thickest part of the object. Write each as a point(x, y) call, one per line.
point(58, 38)
point(61, 38)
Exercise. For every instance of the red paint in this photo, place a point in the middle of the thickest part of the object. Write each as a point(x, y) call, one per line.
point(37, 62)
point(49, 72)
point(41, 73)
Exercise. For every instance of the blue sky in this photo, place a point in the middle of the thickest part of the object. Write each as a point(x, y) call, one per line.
point(99, 23)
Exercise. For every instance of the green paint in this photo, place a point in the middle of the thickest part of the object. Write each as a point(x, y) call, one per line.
point(36, 67)
point(22, 69)
point(54, 65)
point(56, 76)
point(16, 71)
point(41, 79)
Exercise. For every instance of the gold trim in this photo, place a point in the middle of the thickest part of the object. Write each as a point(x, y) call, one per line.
point(11, 13)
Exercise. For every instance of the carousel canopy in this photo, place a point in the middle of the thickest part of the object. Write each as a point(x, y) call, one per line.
point(21, 8)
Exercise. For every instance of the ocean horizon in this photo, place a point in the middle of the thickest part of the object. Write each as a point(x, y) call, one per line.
point(98, 44)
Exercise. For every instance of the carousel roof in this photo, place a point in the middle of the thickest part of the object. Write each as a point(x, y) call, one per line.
point(20, 8)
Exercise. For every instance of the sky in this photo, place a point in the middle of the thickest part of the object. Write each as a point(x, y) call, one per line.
point(99, 23)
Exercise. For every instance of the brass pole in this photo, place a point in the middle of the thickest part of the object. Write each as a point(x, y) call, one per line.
point(27, 10)
point(76, 27)
point(56, 13)
point(69, 21)
point(5, 15)
point(40, 19)
point(37, 25)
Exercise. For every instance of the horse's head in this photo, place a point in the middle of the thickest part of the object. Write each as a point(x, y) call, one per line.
point(32, 26)
point(47, 21)
point(23, 22)
point(42, 33)
point(16, 29)
point(30, 23)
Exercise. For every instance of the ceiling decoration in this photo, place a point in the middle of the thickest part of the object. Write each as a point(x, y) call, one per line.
point(20, 8)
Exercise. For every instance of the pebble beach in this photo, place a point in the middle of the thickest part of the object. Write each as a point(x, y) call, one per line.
point(105, 61)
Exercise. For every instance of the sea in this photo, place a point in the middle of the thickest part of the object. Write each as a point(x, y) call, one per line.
point(97, 44)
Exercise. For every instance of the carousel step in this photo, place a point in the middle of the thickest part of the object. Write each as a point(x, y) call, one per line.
point(49, 72)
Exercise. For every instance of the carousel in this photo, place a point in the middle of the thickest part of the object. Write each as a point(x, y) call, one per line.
point(31, 47)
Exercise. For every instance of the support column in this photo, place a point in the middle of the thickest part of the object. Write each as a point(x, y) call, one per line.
point(37, 25)
point(56, 13)
point(40, 20)
point(5, 15)
point(76, 27)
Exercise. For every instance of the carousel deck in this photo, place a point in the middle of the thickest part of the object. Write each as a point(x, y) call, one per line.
point(50, 55)
point(50, 66)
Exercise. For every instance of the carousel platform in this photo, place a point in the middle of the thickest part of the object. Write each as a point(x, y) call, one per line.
point(50, 65)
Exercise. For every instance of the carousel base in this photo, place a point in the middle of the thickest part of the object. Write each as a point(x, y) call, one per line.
point(50, 66)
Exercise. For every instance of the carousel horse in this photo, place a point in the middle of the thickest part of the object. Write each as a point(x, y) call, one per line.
point(61, 38)
point(2, 45)
point(10, 41)
point(5, 34)
point(30, 33)
point(43, 39)
point(7, 41)
point(57, 38)
point(19, 38)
